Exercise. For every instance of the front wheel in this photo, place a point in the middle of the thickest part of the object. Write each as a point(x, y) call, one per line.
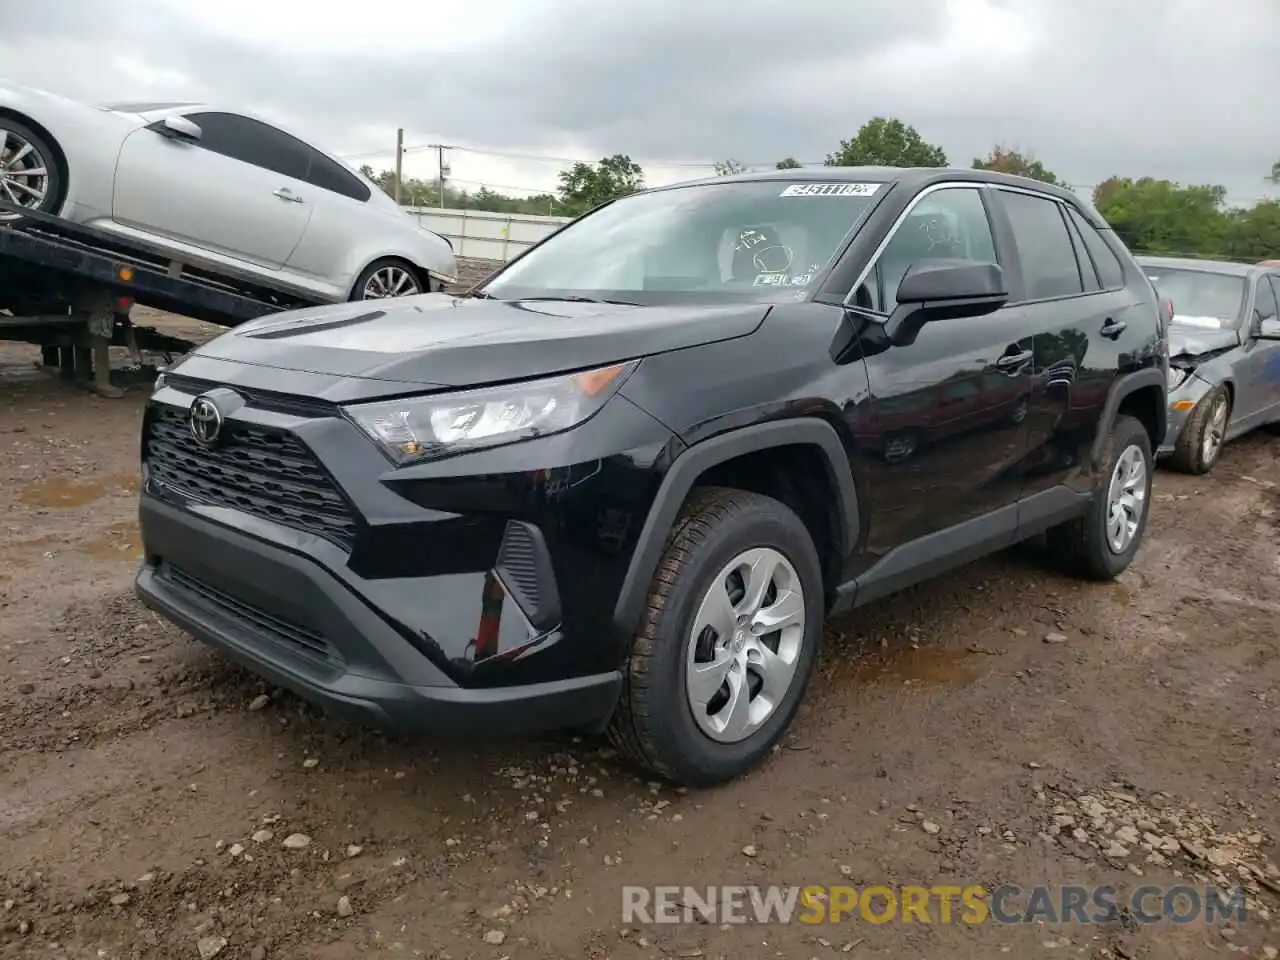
point(29, 174)
point(388, 277)
point(1101, 544)
point(1200, 442)
point(727, 642)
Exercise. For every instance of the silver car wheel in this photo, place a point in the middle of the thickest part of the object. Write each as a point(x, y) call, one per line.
point(24, 173)
point(1126, 498)
point(1215, 432)
point(390, 281)
point(744, 645)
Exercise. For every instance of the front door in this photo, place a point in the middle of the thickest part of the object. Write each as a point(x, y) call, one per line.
point(239, 191)
point(1257, 386)
point(949, 410)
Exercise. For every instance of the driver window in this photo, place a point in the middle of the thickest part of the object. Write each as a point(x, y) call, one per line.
point(1264, 304)
point(946, 224)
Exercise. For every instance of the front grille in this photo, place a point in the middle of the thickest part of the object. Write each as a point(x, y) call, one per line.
point(262, 472)
point(291, 636)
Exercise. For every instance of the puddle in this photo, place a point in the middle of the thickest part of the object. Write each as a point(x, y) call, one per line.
point(119, 541)
point(60, 493)
point(923, 666)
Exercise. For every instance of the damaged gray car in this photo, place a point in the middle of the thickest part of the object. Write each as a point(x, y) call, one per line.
point(1224, 354)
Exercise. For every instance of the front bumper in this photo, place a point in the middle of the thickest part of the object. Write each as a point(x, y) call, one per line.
point(282, 615)
point(1182, 404)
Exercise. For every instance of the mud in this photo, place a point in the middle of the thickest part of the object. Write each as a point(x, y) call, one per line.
point(145, 792)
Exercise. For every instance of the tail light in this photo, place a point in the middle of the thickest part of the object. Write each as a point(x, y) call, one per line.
point(124, 304)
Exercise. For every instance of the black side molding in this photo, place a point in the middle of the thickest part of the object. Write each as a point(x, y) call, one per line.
point(1125, 385)
point(686, 469)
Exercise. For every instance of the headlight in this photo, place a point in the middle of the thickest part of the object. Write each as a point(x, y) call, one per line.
point(420, 428)
point(1177, 377)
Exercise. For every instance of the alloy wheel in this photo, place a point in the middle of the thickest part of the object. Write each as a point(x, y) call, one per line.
point(1126, 498)
point(24, 173)
point(391, 281)
point(745, 644)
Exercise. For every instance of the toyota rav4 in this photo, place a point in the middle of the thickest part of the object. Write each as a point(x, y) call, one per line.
point(620, 484)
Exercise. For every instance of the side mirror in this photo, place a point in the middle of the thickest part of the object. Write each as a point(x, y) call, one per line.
point(178, 128)
point(944, 290)
point(1269, 330)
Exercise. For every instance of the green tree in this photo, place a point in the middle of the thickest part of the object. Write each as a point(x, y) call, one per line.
point(1274, 176)
point(788, 163)
point(1253, 233)
point(1160, 216)
point(887, 142)
point(1010, 160)
point(727, 168)
point(587, 185)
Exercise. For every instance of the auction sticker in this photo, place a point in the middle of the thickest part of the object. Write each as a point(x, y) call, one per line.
point(831, 190)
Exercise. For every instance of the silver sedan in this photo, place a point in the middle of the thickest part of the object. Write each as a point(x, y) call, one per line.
point(218, 189)
point(1224, 354)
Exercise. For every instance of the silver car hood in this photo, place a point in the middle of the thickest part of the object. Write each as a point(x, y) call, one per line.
point(1189, 341)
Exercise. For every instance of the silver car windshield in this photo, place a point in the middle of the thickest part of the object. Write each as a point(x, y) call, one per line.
point(765, 238)
point(1201, 298)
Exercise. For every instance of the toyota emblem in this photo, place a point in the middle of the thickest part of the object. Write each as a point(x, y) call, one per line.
point(205, 421)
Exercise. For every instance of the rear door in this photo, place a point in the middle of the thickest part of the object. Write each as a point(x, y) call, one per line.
point(1072, 290)
point(241, 190)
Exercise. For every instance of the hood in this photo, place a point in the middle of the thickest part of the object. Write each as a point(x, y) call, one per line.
point(436, 340)
point(1187, 340)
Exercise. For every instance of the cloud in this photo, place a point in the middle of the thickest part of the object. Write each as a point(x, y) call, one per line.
point(1162, 87)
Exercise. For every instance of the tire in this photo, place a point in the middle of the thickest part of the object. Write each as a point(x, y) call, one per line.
point(1196, 451)
point(655, 724)
point(40, 155)
point(384, 269)
point(1083, 545)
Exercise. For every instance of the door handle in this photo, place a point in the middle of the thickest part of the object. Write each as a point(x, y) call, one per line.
point(284, 193)
point(1011, 361)
point(1112, 328)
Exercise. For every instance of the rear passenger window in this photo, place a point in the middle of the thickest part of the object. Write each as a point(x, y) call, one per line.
point(1087, 273)
point(1104, 258)
point(328, 175)
point(1049, 267)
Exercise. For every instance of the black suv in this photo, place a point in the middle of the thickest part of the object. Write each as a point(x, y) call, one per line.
point(621, 483)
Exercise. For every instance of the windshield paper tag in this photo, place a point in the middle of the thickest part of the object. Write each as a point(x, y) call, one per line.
point(830, 190)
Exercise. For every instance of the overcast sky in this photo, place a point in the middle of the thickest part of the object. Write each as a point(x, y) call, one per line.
point(1185, 89)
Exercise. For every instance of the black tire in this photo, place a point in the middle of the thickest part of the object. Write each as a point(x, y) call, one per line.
point(1081, 545)
point(358, 289)
point(1188, 455)
point(40, 145)
point(654, 725)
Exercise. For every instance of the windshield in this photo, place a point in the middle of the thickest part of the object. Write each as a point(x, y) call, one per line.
point(766, 239)
point(1210, 301)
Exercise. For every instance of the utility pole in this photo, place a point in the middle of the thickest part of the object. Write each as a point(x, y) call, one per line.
point(440, 164)
point(399, 161)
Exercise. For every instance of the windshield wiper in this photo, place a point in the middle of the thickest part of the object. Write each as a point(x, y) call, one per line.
point(620, 303)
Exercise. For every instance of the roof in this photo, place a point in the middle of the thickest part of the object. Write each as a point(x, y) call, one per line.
point(913, 178)
point(1231, 268)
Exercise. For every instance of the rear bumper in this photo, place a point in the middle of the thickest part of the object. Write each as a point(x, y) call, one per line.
point(285, 617)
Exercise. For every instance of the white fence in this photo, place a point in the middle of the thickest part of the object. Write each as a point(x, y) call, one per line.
point(482, 235)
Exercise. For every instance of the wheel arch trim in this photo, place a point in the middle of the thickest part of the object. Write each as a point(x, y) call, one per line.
point(683, 474)
point(1124, 386)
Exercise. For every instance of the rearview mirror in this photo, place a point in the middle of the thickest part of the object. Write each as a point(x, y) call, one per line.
point(178, 128)
point(1269, 330)
point(944, 290)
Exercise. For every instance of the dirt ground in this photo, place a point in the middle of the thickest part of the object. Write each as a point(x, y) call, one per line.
point(999, 725)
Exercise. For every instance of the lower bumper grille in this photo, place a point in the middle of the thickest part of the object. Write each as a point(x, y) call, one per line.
point(291, 636)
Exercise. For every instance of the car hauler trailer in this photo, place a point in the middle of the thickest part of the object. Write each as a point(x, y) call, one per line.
point(69, 289)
